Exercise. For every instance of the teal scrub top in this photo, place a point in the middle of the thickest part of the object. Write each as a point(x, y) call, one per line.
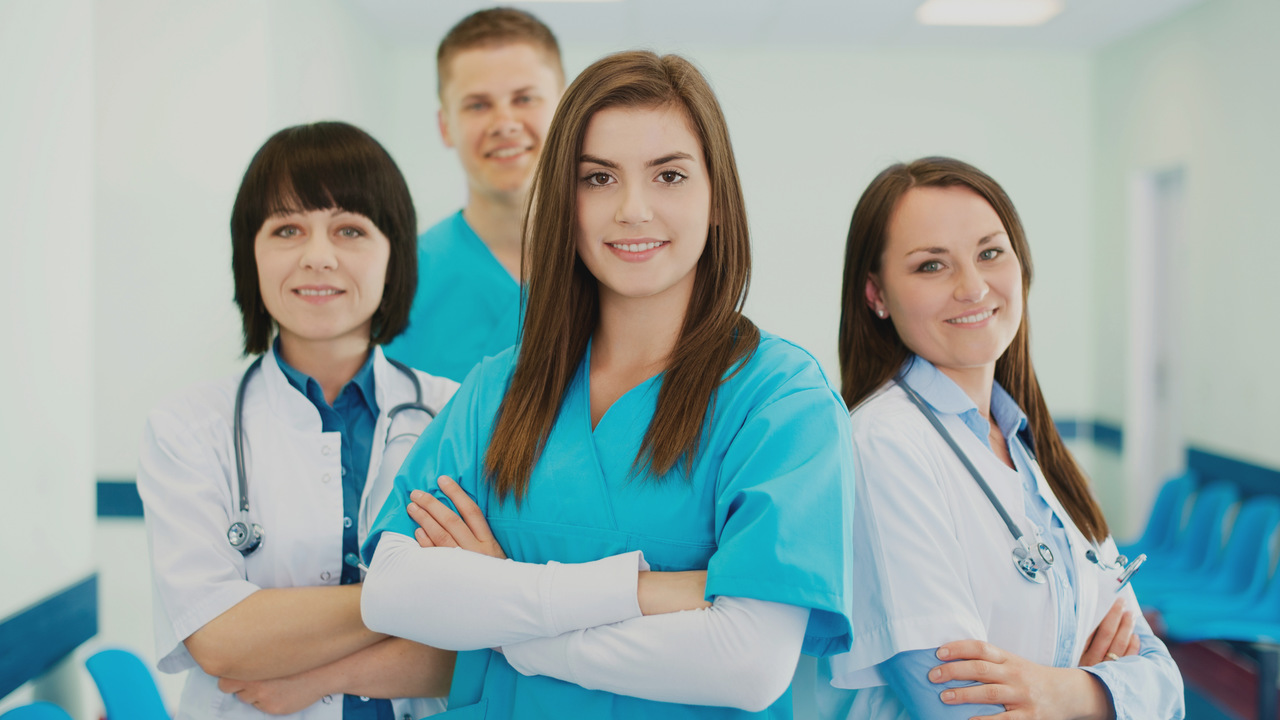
point(766, 510)
point(466, 308)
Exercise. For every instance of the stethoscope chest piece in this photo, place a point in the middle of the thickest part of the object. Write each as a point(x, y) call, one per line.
point(1027, 566)
point(245, 536)
point(1045, 553)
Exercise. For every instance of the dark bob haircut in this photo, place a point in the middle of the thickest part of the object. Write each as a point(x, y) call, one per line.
point(316, 167)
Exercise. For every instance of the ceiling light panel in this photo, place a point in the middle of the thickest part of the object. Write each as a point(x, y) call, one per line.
point(988, 13)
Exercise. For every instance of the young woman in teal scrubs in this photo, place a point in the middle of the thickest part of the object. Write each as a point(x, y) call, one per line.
point(642, 423)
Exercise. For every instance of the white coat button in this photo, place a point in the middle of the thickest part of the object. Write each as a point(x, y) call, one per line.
point(326, 477)
point(326, 450)
point(346, 522)
point(364, 699)
point(327, 699)
point(325, 575)
point(344, 471)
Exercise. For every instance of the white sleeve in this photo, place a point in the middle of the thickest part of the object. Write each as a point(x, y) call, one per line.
point(186, 497)
point(459, 600)
point(739, 653)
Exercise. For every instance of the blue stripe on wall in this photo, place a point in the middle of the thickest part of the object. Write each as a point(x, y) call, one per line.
point(35, 639)
point(118, 498)
point(1252, 479)
point(1102, 434)
point(1108, 436)
point(1068, 429)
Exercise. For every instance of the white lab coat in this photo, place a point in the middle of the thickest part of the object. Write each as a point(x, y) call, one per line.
point(932, 560)
point(187, 480)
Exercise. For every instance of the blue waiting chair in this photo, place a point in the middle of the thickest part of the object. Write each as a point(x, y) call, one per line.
point(126, 685)
point(1197, 545)
point(1256, 622)
point(1238, 576)
point(1165, 519)
point(37, 711)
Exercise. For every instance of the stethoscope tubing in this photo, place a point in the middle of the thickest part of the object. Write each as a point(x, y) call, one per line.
point(915, 398)
point(1026, 566)
point(237, 430)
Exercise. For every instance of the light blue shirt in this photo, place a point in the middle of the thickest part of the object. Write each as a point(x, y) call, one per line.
point(765, 510)
point(1138, 689)
point(467, 306)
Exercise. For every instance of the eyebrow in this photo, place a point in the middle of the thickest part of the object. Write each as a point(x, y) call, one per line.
point(585, 158)
point(943, 251)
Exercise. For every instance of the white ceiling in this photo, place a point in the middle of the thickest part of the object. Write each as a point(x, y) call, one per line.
point(1083, 24)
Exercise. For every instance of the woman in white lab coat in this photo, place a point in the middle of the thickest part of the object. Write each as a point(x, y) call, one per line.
point(261, 602)
point(945, 625)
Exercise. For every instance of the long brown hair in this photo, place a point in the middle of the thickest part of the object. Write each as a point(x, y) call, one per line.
point(562, 306)
point(871, 351)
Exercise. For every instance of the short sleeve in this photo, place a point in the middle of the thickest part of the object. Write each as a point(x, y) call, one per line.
point(186, 496)
point(448, 446)
point(911, 575)
point(784, 504)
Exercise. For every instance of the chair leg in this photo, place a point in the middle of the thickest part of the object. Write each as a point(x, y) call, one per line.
point(1268, 667)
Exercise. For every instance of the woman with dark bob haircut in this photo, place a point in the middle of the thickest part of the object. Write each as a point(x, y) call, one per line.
point(258, 488)
point(642, 423)
point(963, 609)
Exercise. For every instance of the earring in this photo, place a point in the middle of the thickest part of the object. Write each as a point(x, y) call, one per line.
point(881, 313)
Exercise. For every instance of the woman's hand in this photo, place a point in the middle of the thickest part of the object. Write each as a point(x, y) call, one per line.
point(282, 696)
point(1113, 638)
point(1026, 689)
point(665, 592)
point(438, 526)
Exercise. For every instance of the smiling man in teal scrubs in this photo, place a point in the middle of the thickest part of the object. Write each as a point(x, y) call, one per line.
point(500, 78)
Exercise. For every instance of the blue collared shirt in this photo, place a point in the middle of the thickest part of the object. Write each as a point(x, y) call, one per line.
point(907, 673)
point(354, 414)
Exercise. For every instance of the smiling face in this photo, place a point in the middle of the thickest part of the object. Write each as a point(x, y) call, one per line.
point(643, 203)
point(949, 280)
point(496, 106)
point(321, 274)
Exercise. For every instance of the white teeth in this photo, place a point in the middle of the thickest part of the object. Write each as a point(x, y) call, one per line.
point(309, 293)
point(506, 152)
point(968, 319)
point(635, 247)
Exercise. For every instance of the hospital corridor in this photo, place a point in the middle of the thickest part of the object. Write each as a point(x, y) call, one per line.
point(318, 253)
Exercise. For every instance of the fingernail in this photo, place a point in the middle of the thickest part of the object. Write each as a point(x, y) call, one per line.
point(948, 695)
point(416, 494)
point(943, 653)
point(445, 479)
point(413, 508)
point(935, 674)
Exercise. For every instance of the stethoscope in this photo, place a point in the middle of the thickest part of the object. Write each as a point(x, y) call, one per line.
point(1024, 561)
point(244, 534)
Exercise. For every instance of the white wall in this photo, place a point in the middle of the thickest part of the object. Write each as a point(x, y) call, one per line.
point(1198, 92)
point(47, 290)
point(187, 92)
